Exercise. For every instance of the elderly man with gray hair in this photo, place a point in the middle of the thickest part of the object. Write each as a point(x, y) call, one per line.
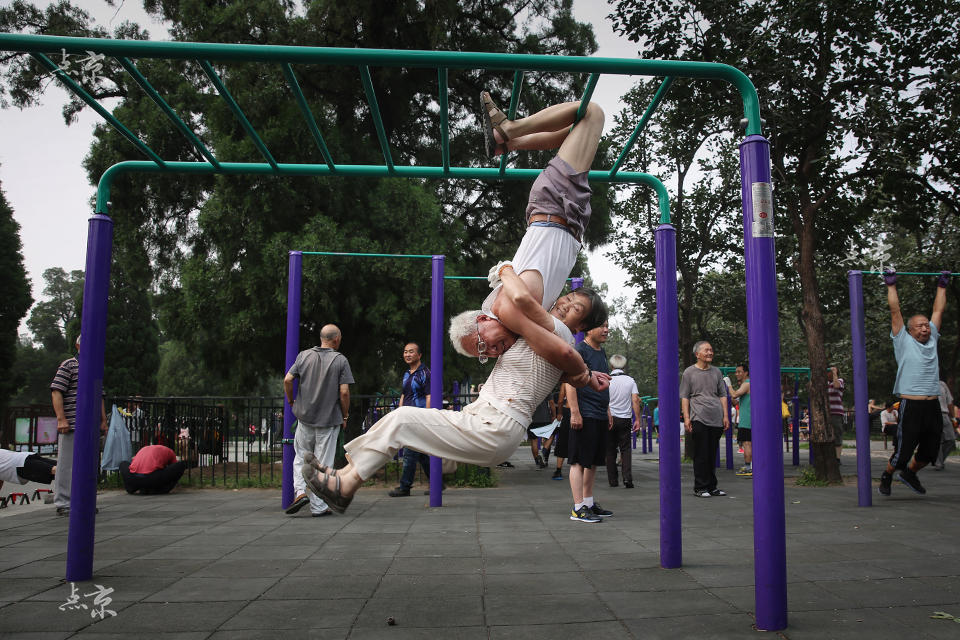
point(703, 400)
point(624, 421)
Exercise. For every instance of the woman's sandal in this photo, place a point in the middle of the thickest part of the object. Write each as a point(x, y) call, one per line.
point(333, 497)
point(493, 117)
point(311, 460)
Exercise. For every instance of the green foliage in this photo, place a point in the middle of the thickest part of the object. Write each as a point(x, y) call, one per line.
point(33, 370)
point(15, 298)
point(50, 318)
point(470, 475)
point(808, 478)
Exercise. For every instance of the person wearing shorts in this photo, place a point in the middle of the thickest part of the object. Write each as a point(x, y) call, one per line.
point(562, 435)
point(917, 384)
point(589, 423)
point(744, 432)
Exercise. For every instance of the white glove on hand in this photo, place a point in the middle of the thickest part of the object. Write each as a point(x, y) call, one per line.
point(494, 276)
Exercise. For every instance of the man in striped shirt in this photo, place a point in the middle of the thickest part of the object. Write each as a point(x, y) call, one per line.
point(63, 390)
point(835, 388)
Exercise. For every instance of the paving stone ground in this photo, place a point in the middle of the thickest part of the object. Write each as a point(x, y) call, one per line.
point(492, 563)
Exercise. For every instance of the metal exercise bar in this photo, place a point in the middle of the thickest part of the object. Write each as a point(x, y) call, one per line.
point(654, 103)
point(238, 112)
point(444, 119)
point(365, 255)
point(141, 80)
point(81, 93)
point(512, 112)
point(375, 114)
point(307, 114)
point(909, 273)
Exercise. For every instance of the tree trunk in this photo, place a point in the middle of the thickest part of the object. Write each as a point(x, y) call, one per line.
point(826, 465)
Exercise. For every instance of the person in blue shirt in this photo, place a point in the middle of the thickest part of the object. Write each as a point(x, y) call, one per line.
point(416, 393)
point(917, 384)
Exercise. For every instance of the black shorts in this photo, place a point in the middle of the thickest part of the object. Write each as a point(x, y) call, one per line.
point(563, 436)
point(588, 446)
point(744, 435)
point(919, 428)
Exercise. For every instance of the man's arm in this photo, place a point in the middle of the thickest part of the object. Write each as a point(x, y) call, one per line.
point(939, 304)
point(837, 382)
point(288, 388)
point(103, 416)
point(726, 416)
point(636, 412)
point(742, 390)
point(345, 401)
point(57, 398)
point(893, 301)
point(516, 293)
point(685, 410)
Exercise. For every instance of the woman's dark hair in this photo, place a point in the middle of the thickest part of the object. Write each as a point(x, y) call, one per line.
point(598, 310)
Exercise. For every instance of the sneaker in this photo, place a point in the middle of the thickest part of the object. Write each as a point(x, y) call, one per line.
point(328, 512)
point(910, 479)
point(399, 492)
point(745, 472)
point(702, 494)
point(583, 514)
point(298, 503)
point(541, 463)
point(885, 479)
point(718, 492)
point(628, 485)
point(599, 511)
point(557, 475)
point(505, 465)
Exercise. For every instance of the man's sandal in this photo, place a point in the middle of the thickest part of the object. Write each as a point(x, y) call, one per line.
point(493, 117)
point(333, 497)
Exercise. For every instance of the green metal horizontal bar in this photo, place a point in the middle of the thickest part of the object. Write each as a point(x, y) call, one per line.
point(307, 114)
point(167, 110)
point(512, 112)
point(788, 370)
point(654, 103)
point(908, 273)
point(237, 111)
point(444, 118)
point(365, 255)
point(81, 93)
point(375, 113)
point(392, 58)
point(587, 95)
point(303, 170)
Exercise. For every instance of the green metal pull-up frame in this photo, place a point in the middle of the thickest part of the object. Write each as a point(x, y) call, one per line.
point(763, 336)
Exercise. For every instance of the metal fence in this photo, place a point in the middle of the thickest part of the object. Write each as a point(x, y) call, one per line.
point(226, 441)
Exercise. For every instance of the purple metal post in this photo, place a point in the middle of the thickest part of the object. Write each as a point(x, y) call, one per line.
point(860, 399)
point(796, 420)
point(436, 370)
point(668, 392)
point(576, 283)
point(294, 299)
point(769, 530)
point(455, 405)
point(729, 432)
point(86, 439)
point(650, 432)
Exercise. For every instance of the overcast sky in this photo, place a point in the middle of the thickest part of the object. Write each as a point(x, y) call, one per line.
point(44, 182)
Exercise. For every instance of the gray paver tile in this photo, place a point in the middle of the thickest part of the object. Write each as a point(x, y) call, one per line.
point(193, 589)
point(293, 614)
point(433, 613)
point(526, 609)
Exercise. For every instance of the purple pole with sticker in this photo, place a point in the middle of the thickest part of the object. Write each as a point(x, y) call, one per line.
point(769, 529)
point(294, 301)
point(86, 438)
point(436, 370)
point(860, 398)
point(796, 420)
point(668, 392)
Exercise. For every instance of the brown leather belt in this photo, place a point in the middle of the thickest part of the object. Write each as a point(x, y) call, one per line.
point(546, 217)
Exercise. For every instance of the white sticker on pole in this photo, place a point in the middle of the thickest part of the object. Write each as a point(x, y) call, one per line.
point(762, 210)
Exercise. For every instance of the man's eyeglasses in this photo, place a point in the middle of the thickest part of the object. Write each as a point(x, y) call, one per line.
point(481, 347)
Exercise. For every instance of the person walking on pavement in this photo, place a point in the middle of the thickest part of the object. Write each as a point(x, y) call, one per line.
point(416, 393)
point(322, 406)
point(625, 414)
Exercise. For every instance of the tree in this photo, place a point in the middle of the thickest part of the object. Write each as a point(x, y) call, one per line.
point(819, 68)
point(50, 318)
point(15, 298)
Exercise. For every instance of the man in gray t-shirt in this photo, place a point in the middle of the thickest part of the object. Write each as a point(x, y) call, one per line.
point(703, 400)
point(322, 406)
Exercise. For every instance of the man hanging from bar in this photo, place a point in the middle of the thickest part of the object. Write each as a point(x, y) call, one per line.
point(557, 213)
point(488, 431)
point(917, 384)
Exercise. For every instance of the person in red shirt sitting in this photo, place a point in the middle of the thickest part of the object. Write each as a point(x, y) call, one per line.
point(153, 470)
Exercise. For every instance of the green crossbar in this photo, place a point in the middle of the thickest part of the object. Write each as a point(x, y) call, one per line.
point(205, 54)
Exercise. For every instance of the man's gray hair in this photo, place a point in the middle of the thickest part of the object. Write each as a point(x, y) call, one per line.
point(698, 345)
point(618, 361)
point(461, 326)
point(330, 334)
